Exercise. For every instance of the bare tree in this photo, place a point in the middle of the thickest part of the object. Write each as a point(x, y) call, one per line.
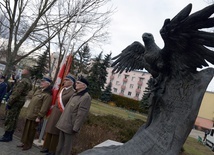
point(37, 23)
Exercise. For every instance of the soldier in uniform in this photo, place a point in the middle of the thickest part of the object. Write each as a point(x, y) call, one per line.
point(15, 104)
point(52, 133)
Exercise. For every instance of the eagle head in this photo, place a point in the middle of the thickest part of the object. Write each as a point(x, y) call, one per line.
point(148, 37)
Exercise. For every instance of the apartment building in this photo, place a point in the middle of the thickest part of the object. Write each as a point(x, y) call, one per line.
point(205, 117)
point(131, 84)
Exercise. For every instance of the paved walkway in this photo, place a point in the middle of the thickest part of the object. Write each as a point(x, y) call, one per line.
point(195, 133)
point(9, 148)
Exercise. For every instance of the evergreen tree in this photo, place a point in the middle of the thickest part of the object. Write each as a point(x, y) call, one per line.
point(104, 65)
point(144, 103)
point(81, 61)
point(98, 74)
point(106, 94)
point(41, 68)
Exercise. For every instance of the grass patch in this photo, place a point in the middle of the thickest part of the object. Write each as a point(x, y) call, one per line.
point(193, 147)
point(99, 108)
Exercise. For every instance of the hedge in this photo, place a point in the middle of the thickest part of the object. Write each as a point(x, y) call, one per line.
point(126, 103)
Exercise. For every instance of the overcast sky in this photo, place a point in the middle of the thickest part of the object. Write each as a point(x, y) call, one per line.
point(134, 17)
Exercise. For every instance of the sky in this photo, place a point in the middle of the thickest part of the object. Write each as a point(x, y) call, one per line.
point(135, 17)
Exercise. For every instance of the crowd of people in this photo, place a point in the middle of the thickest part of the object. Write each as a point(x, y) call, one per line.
point(67, 116)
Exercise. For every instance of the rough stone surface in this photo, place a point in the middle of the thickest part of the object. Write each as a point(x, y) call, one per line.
point(171, 120)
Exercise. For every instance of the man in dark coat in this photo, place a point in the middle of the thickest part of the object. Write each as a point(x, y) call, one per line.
point(15, 104)
point(52, 133)
point(73, 117)
point(3, 88)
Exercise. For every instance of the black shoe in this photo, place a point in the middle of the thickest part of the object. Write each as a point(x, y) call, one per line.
point(5, 139)
point(44, 151)
point(50, 153)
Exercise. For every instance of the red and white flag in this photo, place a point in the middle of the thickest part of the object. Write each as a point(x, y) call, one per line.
point(64, 70)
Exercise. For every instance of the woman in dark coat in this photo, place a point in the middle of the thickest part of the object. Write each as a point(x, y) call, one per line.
point(37, 109)
point(52, 133)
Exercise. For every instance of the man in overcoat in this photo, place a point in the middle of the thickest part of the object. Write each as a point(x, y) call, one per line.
point(73, 117)
point(36, 111)
point(52, 133)
point(15, 104)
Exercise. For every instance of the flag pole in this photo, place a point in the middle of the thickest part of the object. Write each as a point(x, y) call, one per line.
point(40, 141)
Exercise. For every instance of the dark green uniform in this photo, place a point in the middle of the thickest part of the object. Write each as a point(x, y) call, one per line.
point(16, 102)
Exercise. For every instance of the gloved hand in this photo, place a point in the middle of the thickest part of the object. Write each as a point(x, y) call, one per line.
point(8, 107)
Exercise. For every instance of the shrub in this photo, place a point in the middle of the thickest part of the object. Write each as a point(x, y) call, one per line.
point(98, 129)
point(127, 103)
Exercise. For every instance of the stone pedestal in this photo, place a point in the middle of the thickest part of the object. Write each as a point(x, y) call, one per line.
point(175, 105)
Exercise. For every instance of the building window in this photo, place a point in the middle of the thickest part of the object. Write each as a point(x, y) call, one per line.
point(137, 94)
point(129, 93)
point(138, 87)
point(117, 83)
point(122, 91)
point(115, 90)
point(111, 81)
point(118, 75)
point(133, 78)
point(126, 76)
point(131, 86)
point(141, 79)
point(124, 83)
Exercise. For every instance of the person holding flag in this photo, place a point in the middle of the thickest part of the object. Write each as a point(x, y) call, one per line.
point(52, 133)
point(73, 117)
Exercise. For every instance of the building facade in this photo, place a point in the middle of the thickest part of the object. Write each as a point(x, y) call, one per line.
point(131, 84)
point(205, 117)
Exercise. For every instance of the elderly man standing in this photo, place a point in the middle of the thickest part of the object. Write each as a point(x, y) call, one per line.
point(15, 104)
point(73, 117)
point(52, 133)
point(37, 109)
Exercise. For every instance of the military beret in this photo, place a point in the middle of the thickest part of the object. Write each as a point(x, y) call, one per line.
point(70, 77)
point(83, 80)
point(46, 79)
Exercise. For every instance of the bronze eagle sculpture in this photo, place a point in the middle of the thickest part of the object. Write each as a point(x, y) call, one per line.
point(187, 46)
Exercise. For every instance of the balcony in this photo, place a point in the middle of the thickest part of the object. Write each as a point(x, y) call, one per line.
point(123, 87)
point(138, 91)
point(140, 83)
point(125, 80)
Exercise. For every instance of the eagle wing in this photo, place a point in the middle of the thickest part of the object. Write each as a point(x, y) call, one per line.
point(188, 42)
point(131, 58)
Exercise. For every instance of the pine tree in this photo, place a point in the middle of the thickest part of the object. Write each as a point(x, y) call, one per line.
point(41, 67)
point(93, 78)
point(81, 61)
point(106, 94)
point(98, 75)
point(144, 103)
point(104, 65)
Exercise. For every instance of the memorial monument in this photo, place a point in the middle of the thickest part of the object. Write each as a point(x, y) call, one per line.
point(177, 86)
